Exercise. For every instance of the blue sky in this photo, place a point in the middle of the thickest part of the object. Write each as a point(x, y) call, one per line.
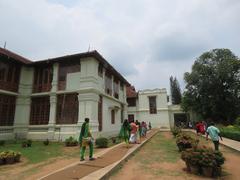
point(146, 40)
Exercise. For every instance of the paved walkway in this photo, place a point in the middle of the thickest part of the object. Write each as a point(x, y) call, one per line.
point(105, 160)
point(226, 142)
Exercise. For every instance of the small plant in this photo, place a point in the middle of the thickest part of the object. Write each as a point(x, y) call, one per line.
point(185, 141)
point(71, 141)
point(17, 156)
point(46, 142)
point(27, 143)
point(176, 130)
point(9, 157)
point(101, 142)
point(2, 142)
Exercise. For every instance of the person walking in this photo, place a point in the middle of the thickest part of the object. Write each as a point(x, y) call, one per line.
point(149, 126)
point(85, 139)
point(133, 136)
point(124, 132)
point(214, 133)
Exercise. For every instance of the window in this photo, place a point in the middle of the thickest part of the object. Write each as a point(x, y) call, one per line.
point(113, 116)
point(7, 110)
point(43, 78)
point(64, 69)
point(40, 110)
point(116, 88)
point(100, 70)
point(67, 109)
point(100, 113)
point(152, 105)
point(108, 83)
point(131, 102)
point(121, 86)
point(9, 76)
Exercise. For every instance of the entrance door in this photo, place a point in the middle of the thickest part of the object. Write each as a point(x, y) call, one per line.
point(131, 117)
point(181, 119)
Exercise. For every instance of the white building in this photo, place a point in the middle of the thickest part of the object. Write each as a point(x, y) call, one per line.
point(153, 106)
point(50, 98)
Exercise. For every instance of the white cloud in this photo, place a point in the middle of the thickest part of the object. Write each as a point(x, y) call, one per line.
point(146, 40)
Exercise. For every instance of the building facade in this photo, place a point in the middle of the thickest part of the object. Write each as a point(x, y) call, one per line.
point(152, 105)
point(49, 99)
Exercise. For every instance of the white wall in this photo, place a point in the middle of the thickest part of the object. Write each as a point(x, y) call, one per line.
point(161, 118)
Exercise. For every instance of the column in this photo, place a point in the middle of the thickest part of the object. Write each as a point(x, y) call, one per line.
point(88, 108)
point(23, 103)
point(55, 78)
point(22, 117)
point(52, 115)
point(112, 85)
point(125, 102)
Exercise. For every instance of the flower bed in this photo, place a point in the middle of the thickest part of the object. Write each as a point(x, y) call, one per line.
point(185, 141)
point(9, 157)
point(203, 160)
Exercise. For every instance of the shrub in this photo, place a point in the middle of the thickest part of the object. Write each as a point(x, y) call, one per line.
point(2, 142)
point(101, 142)
point(27, 143)
point(71, 141)
point(231, 133)
point(204, 157)
point(176, 131)
point(9, 157)
point(185, 141)
point(237, 121)
point(46, 142)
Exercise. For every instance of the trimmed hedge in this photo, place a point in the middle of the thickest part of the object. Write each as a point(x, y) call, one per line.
point(101, 142)
point(231, 132)
point(71, 142)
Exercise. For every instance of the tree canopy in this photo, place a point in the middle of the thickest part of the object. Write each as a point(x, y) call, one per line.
point(175, 91)
point(213, 87)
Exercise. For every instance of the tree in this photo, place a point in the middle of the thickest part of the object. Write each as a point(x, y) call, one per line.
point(175, 91)
point(213, 87)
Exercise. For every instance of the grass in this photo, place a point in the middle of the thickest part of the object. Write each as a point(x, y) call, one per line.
point(38, 152)
point(158, 149)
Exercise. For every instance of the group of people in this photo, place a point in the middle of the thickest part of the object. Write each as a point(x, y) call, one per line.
point(211, 130)
point(132, 131)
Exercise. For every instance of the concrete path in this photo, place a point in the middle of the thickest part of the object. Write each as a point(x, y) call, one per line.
point(105, 161)
point(226, 142)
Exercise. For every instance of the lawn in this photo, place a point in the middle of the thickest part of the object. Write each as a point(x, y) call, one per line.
point(38, 152)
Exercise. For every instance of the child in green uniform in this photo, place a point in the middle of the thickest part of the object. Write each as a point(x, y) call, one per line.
point(85, 139)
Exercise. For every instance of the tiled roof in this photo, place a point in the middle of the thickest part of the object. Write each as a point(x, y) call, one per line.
point(94, 54)
point(131, 92)
point(14, 56)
